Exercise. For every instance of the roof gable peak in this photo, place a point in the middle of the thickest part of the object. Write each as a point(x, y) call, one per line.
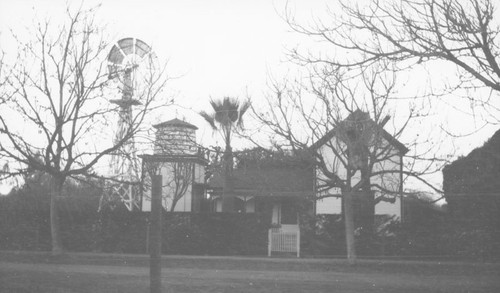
point(175, 123)
point(364, 117)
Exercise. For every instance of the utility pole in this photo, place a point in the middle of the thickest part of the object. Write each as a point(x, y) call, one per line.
point(155, 235)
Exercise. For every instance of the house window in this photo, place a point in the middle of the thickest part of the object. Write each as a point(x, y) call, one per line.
point(239, 205)
point(217, 204)
point(250, 204)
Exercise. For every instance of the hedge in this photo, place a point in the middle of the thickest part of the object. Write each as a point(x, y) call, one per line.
point(25, 227)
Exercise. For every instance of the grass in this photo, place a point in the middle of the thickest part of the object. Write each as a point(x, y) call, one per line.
point(41, 272)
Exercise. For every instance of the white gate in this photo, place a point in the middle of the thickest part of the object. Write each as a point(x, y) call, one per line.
point(284, 239)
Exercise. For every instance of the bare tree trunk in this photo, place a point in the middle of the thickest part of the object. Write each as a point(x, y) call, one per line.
point(364, 215)
point(56, 185)
point(349, 227)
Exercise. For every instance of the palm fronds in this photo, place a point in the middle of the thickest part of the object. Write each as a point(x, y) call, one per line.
point(228, 112)
point(209, 118)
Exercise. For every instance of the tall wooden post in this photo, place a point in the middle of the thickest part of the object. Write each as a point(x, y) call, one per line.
point(155, 234)
point(349, 226)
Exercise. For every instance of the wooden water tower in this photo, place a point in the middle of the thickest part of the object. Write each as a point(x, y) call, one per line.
point(182, 165)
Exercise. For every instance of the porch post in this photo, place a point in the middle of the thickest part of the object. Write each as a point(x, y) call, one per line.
point(269, 241)
point(298, 241)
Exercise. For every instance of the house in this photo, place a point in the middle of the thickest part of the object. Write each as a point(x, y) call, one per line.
point(182, 165)
point(282, 185)
point(341, 153)
point(278, 184)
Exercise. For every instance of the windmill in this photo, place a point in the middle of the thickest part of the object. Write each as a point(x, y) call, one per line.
point(127, 61)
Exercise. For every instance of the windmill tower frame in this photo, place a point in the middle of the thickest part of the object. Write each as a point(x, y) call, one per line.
point(125, 59)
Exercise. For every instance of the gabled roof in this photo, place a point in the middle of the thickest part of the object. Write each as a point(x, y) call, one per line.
point(359, 115)
point(176, 123)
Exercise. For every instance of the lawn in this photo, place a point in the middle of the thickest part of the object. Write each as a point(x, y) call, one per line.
point(40, 272)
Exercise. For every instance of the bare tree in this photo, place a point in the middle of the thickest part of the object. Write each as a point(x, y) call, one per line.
point(2, 77)
point(339, 124)
point(57, 95)
point(182, 178)
point(464, 34)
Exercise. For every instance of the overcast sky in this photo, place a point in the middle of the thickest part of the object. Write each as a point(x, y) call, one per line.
point(218, 48)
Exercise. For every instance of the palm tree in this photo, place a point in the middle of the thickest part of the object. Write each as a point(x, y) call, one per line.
point(227, 116)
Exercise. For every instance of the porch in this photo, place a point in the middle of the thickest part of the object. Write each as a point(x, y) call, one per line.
point(281, 212)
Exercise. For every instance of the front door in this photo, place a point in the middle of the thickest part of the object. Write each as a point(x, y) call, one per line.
point(284, 213)
point(285, 237)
